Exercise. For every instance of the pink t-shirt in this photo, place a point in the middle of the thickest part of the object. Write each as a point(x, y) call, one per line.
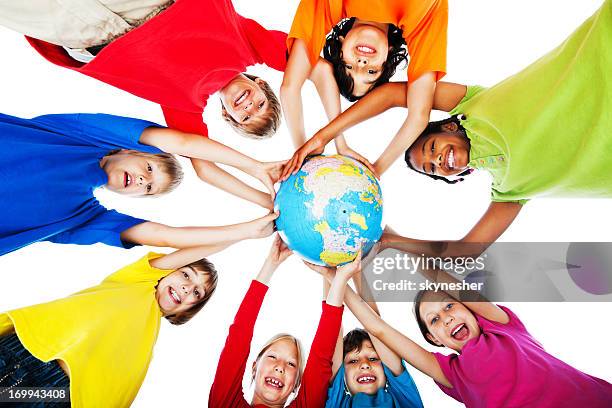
point(506, 367)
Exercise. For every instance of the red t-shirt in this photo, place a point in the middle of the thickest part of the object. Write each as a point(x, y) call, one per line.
point(181, 57)
point(226, 390)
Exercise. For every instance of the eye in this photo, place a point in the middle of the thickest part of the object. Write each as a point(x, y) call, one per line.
point(353, 361)
point(373, 359)
point(372, 71)
point(433, 143)
point(348, 66)
point(149, 168)
point(149, 188)
point(291, 364)
point(261, 105)
point(449, 306)
point(272, 356)
point(196, 293)
point(185, 275)
point(246, 118)
point(434, 320)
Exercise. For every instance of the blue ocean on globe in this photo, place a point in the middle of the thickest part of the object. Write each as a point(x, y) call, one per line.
point(330, 209)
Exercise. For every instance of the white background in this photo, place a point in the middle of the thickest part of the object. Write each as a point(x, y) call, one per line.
point(488, 40)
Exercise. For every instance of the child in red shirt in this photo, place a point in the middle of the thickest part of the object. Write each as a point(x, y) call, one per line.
point(179, 58)
point(277, 370)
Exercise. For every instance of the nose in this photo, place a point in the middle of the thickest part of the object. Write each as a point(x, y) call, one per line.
point(142, 180)
point(362, 61)
point(248, 106)
point(186, 289)
point(365, 365)
point(448, 319)
point(279, 369)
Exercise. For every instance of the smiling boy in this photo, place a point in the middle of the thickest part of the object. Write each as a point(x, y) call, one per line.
point(53, 164)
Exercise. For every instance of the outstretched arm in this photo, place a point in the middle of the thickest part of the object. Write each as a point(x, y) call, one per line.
point(160, 235)
point(214, 175)
point(198, 147)
point(182, 257)
point(414, 354)
point(498, 217)
point(297, 71)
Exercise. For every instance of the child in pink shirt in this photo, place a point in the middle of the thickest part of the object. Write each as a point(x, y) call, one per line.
point(498, 363)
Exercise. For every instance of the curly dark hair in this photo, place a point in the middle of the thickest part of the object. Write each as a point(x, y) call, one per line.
point(436, 127)
point(353, 340)
point(332, 52)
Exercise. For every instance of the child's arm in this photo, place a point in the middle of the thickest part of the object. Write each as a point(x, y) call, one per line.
point(214, 175)
point(387, 356)
point(338, 350)
point(154, 234)
point(498, 217)
point(379, 100)
point(198, 147)
point(414, 354)
point(419, 101)
point(277, 255)
point(323, 78)
point(182, 257)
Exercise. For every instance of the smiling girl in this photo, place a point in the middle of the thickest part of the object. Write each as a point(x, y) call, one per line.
point(497, 362)
point(99, 342)
point(278, 370)
point(361, 52)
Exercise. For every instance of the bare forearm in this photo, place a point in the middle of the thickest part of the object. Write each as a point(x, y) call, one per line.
point(216, 176)
point(186, 256)
point(291, 100)
point(159, 235)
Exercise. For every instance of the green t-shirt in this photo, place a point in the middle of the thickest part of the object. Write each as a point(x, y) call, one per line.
point(547, 130)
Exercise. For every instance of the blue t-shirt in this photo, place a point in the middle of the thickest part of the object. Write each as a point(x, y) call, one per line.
point(49, 168)
point(400, 392)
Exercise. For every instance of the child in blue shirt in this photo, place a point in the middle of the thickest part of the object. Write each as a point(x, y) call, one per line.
point(52, 164)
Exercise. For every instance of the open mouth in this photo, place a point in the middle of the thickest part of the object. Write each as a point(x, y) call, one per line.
point(127, 179)
point(460, 332)
point(241, 98)
point(365, 50)
point(174, 296)
point(366, 379)
point(274, 383)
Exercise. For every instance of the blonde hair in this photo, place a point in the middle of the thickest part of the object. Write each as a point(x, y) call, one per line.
point(300, 354)
point(263, 127)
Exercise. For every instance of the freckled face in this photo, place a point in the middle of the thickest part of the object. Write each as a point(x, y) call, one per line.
point(363, 371)
point(133, 175)
point(276, 373)
point(180, 290)
point(442, 154)
point(449, 322)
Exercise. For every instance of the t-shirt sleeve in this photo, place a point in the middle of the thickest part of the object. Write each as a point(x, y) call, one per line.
point(318, 371)
point(105, 228)
point(335, 392)
point(445, 364)
point(102, 130)
point(403, 388)
point(311, 26)
point(188, 122)
point(271, 45)
point(227, 386)
point(427, 42)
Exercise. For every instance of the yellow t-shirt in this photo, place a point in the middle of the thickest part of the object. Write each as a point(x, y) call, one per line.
point(104, 334)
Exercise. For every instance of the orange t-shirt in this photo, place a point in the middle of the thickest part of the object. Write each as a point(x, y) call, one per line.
point(423, 22)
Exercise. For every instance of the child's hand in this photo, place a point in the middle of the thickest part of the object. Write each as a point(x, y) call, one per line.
point(347, 271)
point(262, 227)
point(347, 151)
point(269, 173)
point(279, 251)
point(327, 272)
point(313, 146)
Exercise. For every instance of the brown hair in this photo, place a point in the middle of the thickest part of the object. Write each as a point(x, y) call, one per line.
point(353, 340)
point(167, 163)
point(264, 127)
point(205, 267)
point(300, 355)
point(418, 299)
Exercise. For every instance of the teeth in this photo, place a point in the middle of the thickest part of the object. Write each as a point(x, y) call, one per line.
point(274, 382)
point(175, 295)
point(451, 159)
point(363, 48)
point(242, 97)
point(365, 379)
point(457, 329)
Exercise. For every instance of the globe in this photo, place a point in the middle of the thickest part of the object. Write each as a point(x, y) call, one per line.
point(330, 209)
